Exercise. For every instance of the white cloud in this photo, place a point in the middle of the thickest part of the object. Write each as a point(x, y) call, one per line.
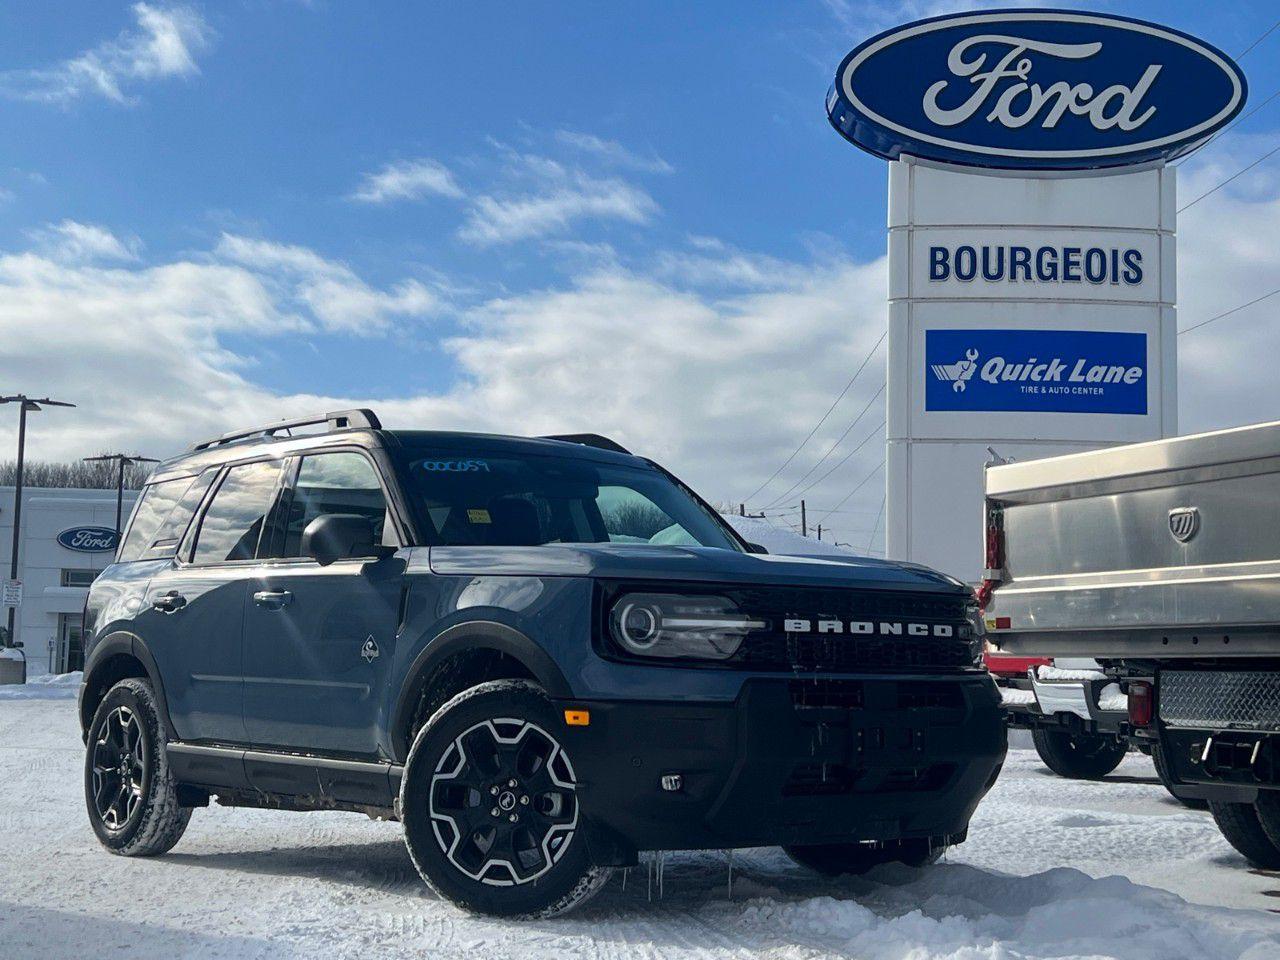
point(553, 197)
point(1228, 254)
point(613, 152)
point(408, 180)
point(75, 241)
point(330, 291)
point(164, 43)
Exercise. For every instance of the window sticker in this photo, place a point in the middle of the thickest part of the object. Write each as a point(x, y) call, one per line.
point(479, 516)
point(455, 466)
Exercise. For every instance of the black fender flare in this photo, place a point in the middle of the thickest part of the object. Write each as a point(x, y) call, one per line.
point(128, 644)
point(462, 637)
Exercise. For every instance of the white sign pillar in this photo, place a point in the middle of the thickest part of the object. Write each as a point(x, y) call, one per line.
point(1030, 313)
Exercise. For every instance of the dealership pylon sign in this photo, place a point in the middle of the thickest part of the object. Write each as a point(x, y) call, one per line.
point(1032, 253)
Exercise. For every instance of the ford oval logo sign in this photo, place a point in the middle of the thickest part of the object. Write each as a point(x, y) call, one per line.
point(88, 539)
point(1056, 90)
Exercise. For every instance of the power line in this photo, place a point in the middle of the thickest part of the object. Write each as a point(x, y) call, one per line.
point(1229, 127)
point(879, 514)
point(860, 485)
point(831, 449)
point(1266, 33)
point(1238, 173)
point(1205, 323)
point(847, 456)
point(847, 387)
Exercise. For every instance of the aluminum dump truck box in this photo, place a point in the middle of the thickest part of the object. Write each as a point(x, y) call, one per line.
point(1168, 549)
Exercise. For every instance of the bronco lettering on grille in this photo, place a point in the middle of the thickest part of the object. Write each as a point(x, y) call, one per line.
point(889, 628)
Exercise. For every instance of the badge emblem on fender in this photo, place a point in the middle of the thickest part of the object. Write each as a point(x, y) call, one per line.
point(370, 650)
point(1184, 523)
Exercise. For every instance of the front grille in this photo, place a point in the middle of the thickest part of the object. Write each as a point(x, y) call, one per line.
point(1228, 699)
point(777, 649)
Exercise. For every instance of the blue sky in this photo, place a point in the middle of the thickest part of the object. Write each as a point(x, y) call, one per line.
point(625, 217)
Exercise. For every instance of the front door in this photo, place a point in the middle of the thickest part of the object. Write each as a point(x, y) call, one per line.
point(318, 641)
point(194, 618)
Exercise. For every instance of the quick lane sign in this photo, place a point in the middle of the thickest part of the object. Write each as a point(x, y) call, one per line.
point(1047, 371)
point(1048, 89)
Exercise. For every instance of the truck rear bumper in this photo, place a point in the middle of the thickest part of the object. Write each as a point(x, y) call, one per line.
point(798, 761)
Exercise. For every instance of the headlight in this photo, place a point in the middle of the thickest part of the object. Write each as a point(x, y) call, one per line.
point(669, 625)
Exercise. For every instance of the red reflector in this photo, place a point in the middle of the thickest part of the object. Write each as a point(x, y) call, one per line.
point(1141, 703)
point(1003, 623)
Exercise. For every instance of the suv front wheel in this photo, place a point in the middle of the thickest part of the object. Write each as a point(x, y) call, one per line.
point(490, 806)
point(129, 791)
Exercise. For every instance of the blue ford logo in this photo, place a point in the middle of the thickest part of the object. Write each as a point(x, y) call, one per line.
point(1034, 89)
point(88, 539)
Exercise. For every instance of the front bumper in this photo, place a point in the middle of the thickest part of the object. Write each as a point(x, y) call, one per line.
point(791, 761)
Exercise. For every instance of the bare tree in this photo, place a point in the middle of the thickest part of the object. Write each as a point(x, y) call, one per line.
point(636, 519)
point(100, 475)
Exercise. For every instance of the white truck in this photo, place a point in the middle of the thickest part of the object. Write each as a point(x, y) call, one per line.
point(1161, 562)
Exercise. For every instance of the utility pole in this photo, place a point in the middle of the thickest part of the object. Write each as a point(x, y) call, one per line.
point(742, 509)
point(123, 460)
point(25, 404)
point(819, 532)
point(804, 520)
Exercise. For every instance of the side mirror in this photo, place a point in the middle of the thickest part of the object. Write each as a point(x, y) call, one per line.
point(340, 536)
point(755, 548)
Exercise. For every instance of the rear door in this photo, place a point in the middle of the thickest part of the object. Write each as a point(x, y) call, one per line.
point(193, 622)
point(318, 641)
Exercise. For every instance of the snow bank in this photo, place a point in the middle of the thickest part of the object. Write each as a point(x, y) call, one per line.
point(782, 541)
point(958, 912)
point(49, 686)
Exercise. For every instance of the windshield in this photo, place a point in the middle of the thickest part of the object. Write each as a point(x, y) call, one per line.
point(532, 500)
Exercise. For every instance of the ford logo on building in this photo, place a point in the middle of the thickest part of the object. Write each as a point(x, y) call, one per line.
point(1054, 90)
point(88, 539)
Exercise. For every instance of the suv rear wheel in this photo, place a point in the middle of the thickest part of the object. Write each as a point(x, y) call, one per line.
point(129, 791)
point(834, 859)
point(1079, 756)
point(490, 807)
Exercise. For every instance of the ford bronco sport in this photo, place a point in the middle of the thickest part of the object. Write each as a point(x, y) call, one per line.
point(541, 656)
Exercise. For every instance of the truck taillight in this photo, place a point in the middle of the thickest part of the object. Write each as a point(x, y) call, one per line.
point(1141, 703)
point(993, 555)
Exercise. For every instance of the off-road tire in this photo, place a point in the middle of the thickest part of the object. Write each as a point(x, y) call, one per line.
point(153, 820)
point(1162, 771)
point(1088, 756)
point(1242, 825)
point(448, 769)
point(837, 859)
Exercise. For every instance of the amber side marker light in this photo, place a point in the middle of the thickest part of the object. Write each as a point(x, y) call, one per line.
point(577, 718)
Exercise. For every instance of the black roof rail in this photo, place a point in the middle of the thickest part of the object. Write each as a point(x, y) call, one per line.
point(590, 440)
point(337, 420)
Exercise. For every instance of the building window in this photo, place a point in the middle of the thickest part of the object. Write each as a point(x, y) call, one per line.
point(78, 578)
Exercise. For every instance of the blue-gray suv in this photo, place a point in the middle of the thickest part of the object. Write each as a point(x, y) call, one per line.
point(541, 656)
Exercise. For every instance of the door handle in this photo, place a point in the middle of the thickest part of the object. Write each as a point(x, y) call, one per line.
point(272, 599)
point(170, 602)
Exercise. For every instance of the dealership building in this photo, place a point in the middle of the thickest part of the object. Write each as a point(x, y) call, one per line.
point(66, 538)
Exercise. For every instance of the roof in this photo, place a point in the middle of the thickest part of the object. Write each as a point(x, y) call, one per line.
point(196, 460)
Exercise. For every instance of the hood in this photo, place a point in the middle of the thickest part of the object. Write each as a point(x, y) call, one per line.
point(624, 561)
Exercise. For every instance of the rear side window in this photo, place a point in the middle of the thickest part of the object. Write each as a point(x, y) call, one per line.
point(157, 503)
point(233, 522)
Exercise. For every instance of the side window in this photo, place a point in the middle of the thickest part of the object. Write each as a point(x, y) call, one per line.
point(233, 523)
point(332, 483)
point(165, 540)
point(158, 501)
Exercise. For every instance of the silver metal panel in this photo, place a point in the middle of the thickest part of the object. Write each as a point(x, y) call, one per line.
point(1172, 544)
point(1217, 700)
point(1253, 442)
point(1063, 698)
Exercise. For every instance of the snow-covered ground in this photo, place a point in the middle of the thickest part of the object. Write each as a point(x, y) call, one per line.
point(1052, 869)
